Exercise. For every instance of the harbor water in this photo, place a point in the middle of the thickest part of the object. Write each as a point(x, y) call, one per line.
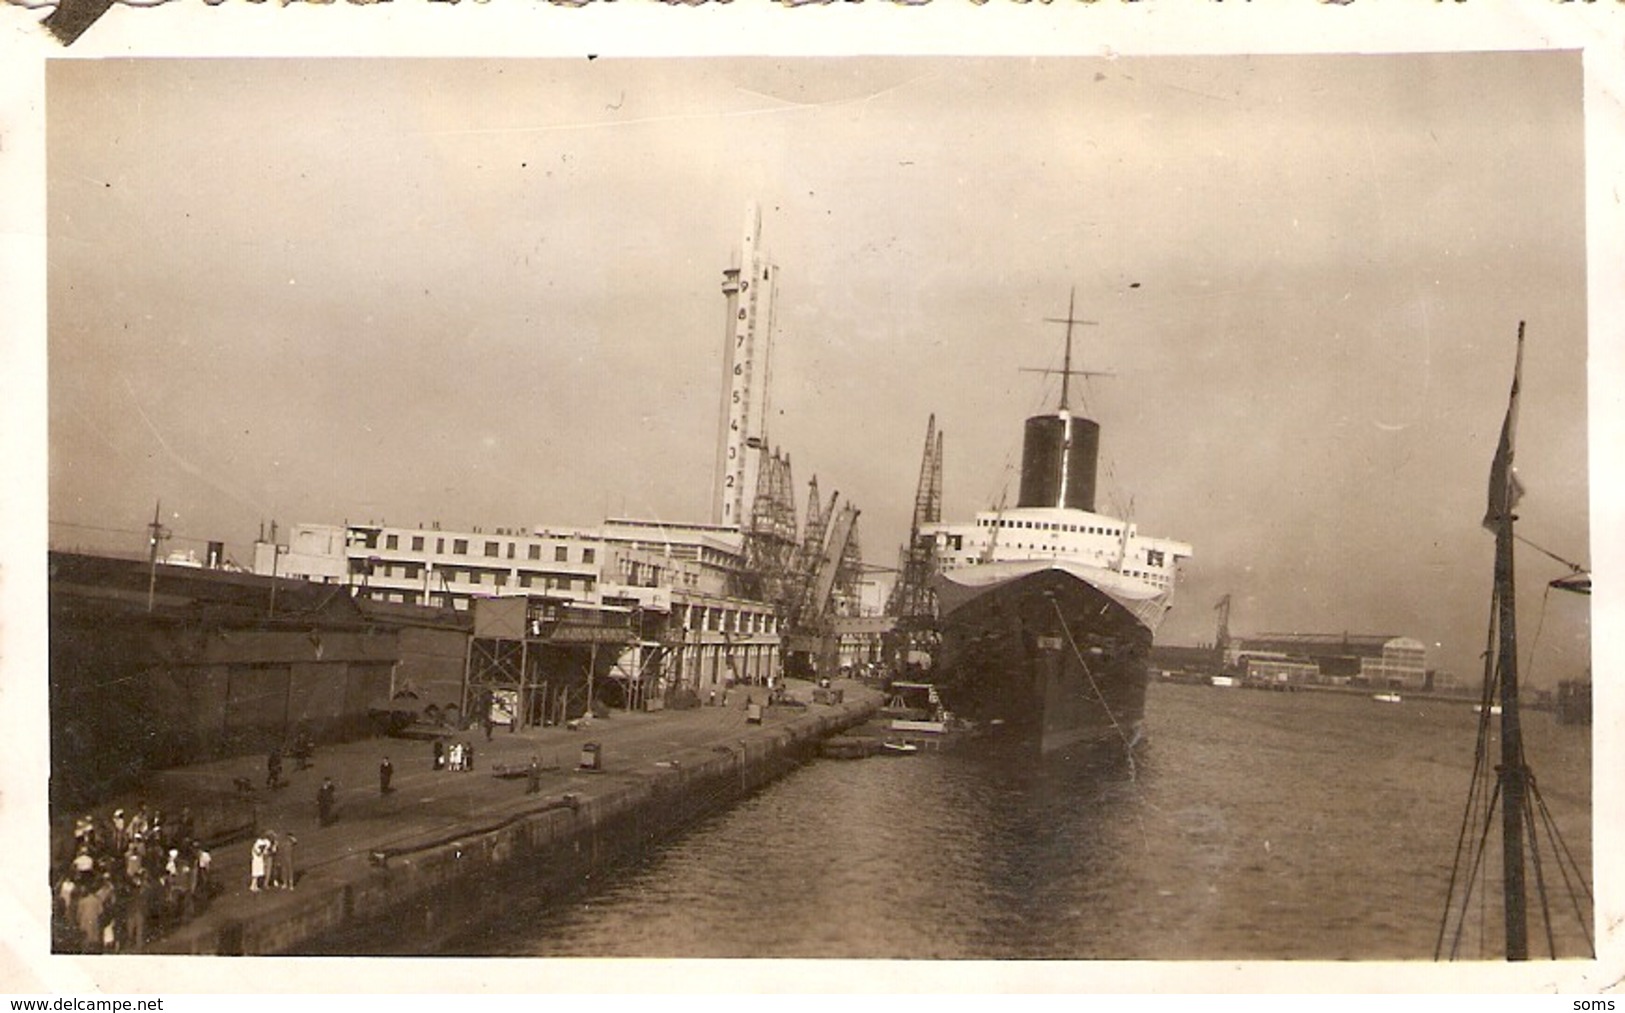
point(1252, 825)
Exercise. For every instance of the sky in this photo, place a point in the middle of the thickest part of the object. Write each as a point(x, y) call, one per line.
point(488, 293)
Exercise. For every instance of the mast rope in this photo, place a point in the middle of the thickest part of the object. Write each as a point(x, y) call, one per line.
point(1540, 624)
point(1540, 877)
point(1573, 567)
point(1562, 852)
point(1478, 856)
point(1477, 788)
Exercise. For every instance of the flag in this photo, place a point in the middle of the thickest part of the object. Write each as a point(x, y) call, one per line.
point(1505, 489)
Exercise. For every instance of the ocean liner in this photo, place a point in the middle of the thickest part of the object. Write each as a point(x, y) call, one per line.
point(1046, 611)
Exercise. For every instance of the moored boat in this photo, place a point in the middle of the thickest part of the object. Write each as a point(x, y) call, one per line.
point(1046, 611)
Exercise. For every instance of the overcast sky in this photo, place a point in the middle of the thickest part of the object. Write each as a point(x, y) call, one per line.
point(487, 293)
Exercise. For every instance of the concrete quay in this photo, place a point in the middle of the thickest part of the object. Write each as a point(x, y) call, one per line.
point(394, 871)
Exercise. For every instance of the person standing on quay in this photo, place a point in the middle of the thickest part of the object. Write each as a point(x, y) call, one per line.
point(273, 768)
point(290, 874)
point(533, 777)
point(273, 861)
point(259, 858)
point(385, 772)
point(205, 883)
point(325, 796)
point(92, 912)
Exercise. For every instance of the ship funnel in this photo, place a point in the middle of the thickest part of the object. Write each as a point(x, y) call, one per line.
point(1058, 456)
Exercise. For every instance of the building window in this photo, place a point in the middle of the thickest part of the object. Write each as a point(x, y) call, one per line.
point(510, 550)
point(492, 549)
point(524, 580)
point(417, 543)
point(561, 554)
point(535, 552)
point(392, 541)
point(502, 579)
point(439, 546)
point(588, 555)
point(459, 547)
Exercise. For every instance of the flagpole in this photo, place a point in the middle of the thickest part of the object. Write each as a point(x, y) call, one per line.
point(1513, 774)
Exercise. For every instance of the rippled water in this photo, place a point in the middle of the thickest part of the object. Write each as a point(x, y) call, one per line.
point(1253, 825)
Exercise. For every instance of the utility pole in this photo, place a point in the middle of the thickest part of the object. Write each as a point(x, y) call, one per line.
point(156, 532)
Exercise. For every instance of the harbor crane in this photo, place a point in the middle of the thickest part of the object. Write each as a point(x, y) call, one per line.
point(912, 602)
point(811, 646)
point(1221, 636)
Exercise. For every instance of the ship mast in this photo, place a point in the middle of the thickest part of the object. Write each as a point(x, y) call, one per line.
point(1050, 476)
point(1514, 773)
point(1066, 370)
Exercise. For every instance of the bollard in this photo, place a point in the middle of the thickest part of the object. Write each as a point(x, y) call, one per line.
point(592, 756)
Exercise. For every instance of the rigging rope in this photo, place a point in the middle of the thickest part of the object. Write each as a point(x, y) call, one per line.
point(1562, 853)
point(1540, 876)
point(1573, 567)
point(1540, 624)
point(1478, 858)
point(1533, 803)
point(1477, 788)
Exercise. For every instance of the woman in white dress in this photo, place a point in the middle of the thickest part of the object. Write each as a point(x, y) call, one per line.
point(258, 858)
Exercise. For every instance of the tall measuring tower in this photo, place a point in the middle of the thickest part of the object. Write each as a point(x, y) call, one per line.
point(749, 286)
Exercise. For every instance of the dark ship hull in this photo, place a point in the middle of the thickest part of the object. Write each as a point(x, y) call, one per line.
point(1044, 657)
point(1045, 613)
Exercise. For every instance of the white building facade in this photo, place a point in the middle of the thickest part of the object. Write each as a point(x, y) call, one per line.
point(677, 573)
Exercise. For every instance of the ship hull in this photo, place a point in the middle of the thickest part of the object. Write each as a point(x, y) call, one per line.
point(1045, 657)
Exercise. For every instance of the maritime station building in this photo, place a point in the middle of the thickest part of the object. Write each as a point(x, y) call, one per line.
point(633, 607)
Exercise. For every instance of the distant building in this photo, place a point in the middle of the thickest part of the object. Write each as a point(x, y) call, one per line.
point(1280, 670)
point(1403, 663)
point(1338, 658)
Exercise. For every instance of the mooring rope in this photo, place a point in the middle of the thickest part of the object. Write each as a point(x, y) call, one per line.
point(1128, 747)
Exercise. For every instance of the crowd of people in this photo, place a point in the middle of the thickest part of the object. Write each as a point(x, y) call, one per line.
point(131, 875)
point(135, 875)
